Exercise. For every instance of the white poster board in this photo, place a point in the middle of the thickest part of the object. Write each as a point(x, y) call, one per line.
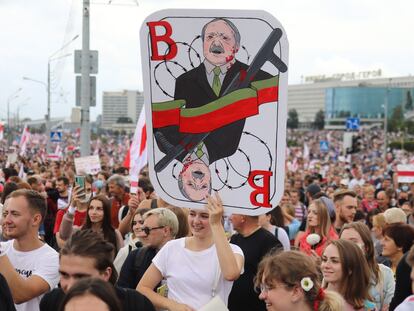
point(88, 165)
point(215, 87)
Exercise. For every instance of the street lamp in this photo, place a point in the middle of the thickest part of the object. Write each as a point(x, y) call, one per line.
point(386, 118)
point(13, 96)
point(20, 105)
point(47, 86)
point(51, 58)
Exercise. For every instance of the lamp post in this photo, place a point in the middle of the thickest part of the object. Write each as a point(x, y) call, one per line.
point(386, 118)
point(47, 87)
point(13, 96)
point(20, 105)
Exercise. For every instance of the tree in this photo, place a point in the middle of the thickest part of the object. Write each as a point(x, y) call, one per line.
point(396, 121)
point(409, 101)
point(293, 119)
point(319, 120)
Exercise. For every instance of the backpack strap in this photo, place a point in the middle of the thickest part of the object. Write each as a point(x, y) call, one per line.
point(154, 203)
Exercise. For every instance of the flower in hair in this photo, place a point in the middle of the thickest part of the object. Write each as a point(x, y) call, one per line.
point(306, 283)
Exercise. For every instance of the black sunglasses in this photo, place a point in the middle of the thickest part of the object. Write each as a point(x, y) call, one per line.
point(147, 230)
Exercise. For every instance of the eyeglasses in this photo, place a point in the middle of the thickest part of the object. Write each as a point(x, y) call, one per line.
point(265, 288)
point(147, 230)
point(141, 222)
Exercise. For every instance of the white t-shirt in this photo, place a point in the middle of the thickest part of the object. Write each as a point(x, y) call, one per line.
point(282, 236)
point(43, 262)
point(190, 275)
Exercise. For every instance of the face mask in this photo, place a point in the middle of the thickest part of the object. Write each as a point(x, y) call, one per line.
point(87, 198)
point(99, 184)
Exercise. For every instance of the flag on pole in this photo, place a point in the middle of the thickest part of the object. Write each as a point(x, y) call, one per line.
point(24, 140)
point(1, 130)
point(136, 157)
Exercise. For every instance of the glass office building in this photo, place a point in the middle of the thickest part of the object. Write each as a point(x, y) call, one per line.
point(364, 102)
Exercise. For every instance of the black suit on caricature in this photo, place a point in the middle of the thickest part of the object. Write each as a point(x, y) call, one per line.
point(195, 89)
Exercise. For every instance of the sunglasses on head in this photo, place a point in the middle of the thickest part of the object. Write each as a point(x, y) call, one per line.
point(147, 230)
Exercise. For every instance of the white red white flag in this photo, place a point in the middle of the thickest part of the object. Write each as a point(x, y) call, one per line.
point(1, 130)
point(24, 140)
point(136, 157)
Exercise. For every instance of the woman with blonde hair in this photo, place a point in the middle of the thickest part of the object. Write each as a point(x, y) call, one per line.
point(290, 281)
point(345, 271)
point(197, 269)
point(318, 223)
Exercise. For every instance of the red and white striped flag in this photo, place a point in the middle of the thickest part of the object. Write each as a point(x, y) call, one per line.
point(1, 130)
point(24, 140)
point(136, 157)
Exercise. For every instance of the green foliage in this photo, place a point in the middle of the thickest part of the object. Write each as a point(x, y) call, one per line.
point(293, 119)
point(319, 122)
point(408, 145)
point(396, 121)
point(408, 101)
point(292, 143)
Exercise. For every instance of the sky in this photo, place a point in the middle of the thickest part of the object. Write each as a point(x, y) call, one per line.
point(325, 37)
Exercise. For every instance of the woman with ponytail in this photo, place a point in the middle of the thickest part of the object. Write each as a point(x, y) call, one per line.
point(291, 281)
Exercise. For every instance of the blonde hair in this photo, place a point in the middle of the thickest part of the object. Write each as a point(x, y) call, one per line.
point(166, 218)
point(379, 221)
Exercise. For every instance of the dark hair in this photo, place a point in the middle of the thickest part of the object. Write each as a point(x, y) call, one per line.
point(146, 185)
point(401, 234)
point(276, 218)
point(104, 174)
point(9, 187)
point(34, 199)
point(95, 287)
point(64, 179)
point(87, 243)
point(107, 229)
point(410, 257)
point(8, 172)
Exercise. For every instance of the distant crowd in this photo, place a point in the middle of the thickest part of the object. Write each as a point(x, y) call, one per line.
point(341, 237)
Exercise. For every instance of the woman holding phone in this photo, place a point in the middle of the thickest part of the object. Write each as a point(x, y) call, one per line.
point(98, 219)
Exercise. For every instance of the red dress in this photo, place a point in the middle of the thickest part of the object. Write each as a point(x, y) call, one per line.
point(320, 247)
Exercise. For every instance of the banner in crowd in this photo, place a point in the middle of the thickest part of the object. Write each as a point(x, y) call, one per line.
point(405, 173)
point(215, 87)
point(88, 165)
point(136, 157)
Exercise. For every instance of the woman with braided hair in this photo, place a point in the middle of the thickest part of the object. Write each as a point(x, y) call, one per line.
point(291, 281)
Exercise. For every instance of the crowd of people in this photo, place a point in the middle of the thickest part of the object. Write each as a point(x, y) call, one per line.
point(341, 237)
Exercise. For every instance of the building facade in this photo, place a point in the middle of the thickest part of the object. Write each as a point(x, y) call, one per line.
point(125, 104)
point(339, 98)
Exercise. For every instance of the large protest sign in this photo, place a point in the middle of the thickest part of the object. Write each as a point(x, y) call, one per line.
point(215, 87)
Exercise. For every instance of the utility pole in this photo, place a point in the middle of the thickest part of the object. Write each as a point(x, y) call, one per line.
point(48, 109)
point(386, 119)
point(85, 82)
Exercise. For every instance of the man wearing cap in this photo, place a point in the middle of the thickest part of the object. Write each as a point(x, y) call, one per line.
point(346, 205)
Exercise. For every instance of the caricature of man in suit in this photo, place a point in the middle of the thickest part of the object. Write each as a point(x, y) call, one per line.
point(203, 85)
